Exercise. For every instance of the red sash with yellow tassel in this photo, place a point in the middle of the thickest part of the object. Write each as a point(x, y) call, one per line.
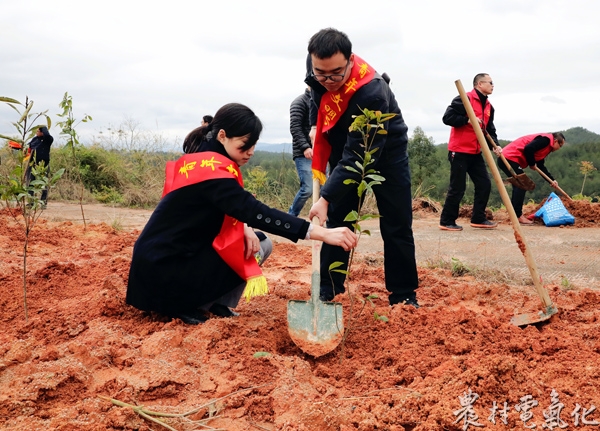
point(333, 105)
point(229, 243)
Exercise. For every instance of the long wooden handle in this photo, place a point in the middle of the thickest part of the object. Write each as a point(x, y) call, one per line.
point(315, 290)
point(508, 166)
point(547, 178)
point(537, 281)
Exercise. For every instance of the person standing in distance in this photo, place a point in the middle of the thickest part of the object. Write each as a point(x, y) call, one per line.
point(193, 146)
point(39, 149)
point(464, 154)
point(206, 120)
point(302, 149)
point(343, 84)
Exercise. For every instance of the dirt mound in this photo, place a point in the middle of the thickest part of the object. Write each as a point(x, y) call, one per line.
point(418, 371)
point(586, 213)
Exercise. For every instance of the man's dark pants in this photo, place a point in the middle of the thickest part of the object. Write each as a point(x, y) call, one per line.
point(518, 194)
point(394, 201)
point(462, 164)
point(30, 177)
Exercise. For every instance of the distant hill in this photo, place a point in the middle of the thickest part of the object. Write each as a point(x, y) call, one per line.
point(579, 135)
point(274, 148)
point(574, 135)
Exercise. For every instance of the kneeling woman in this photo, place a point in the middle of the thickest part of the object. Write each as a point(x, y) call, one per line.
point(197, 251)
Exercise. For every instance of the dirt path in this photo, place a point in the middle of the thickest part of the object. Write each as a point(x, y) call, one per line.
point(562, 255)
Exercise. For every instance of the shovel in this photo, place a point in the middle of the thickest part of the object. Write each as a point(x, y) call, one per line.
point(549, 309)
point(547, 178)
point(521, 181)
point(316, 327)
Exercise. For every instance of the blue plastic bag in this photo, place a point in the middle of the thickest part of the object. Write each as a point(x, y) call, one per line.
point(554, 213)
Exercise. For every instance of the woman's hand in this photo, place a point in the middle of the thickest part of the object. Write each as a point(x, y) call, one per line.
point(340, 236)
point(252, 242)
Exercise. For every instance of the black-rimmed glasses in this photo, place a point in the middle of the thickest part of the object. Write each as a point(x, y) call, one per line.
point(334, 78)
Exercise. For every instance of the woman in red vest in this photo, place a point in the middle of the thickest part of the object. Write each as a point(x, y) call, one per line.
point(530, 150)
point(198, 252)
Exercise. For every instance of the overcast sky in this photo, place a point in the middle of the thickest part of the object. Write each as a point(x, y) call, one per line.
point(166, 64)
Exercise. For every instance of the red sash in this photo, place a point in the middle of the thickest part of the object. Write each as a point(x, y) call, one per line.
point(229, 243)
point(331, 108)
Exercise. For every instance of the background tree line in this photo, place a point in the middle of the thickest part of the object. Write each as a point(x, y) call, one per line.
point(431, 170)
point(125, 166)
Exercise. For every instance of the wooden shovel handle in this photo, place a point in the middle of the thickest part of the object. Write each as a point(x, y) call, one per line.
point(508, 166)
point(531, 265)
point(316, 250)
point(547, 178)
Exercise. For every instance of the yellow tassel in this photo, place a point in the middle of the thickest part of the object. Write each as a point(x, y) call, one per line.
point(319, 176)
point(256, 286)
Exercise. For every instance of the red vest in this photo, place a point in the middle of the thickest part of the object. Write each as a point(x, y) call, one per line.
point(230, 242)
point(463, 139)
point(514, 150)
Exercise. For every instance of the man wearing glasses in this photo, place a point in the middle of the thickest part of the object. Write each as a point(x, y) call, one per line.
point(464, 154)
point(342, 85)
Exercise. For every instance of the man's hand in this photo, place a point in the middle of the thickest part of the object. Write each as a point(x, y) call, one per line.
point(308, 153)
point(319, 210)
point(478, 121)
point(497, 150)
point(312, 134)
point(252, 242)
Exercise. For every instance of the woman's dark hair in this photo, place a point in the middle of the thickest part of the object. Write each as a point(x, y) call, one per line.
point(235, 119)
point(192, 142)
point(207, 118)
point(238, 120)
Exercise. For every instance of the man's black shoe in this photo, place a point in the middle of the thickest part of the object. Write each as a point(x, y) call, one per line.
point(327, 293)
point(486, 224)
point(451, 227)
point(324, 298)
point(408, 301)
point(222, 311)
point(191, 318)
point(411, 301)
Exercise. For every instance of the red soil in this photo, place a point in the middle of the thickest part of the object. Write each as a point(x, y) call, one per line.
point(82, 342)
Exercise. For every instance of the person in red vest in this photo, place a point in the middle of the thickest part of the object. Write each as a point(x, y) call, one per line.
point(198, 252)
point(530, 150)
point(343, 84)
point(464, 154)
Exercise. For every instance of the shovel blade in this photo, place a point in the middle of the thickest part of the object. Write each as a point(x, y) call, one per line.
point(316, 327)
point(530, 318)
point(522, 181)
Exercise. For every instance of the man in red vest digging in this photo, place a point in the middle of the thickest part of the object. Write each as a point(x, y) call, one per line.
point(530, 150)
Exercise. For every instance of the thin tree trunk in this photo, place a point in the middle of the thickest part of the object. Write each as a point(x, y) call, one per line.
point(25, 275)
point(81, 202)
